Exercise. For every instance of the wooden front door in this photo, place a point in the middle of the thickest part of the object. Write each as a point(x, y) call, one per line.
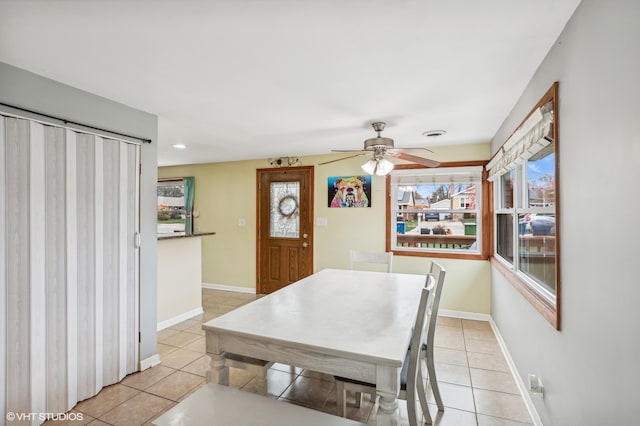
point(285, 227)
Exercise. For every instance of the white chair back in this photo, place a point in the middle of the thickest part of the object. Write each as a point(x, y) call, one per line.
point(357, 257)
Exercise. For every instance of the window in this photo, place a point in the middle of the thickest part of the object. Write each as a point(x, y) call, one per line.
point(174, 209)
point(524, 176)
point(436, 211)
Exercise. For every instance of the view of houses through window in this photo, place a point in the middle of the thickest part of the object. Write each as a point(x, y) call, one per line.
point(171, 210)
point(437, 209)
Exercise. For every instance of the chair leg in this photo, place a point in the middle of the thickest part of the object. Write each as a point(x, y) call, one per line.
point(433, 381)
point(422, 396)
point(373, 397)
point(341, 401)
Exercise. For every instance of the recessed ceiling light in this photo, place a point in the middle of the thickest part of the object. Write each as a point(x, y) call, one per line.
point(179, 146)
point(434, 133)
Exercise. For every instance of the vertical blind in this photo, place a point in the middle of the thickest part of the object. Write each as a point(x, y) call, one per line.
point(68, 265)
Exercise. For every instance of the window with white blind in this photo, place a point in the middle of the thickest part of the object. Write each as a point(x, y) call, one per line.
point(436, 210)
point(525, 182)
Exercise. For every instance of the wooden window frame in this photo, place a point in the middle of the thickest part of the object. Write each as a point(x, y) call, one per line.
point(485, 217)
point(550, 311)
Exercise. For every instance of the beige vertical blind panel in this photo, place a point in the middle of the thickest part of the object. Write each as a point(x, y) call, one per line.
point(527, 141)
point(68, 265)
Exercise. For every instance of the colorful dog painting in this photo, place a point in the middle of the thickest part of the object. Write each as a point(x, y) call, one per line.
point(349, 191)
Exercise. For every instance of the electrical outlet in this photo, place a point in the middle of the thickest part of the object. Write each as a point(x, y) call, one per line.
point(535, 385)
point(242, 221)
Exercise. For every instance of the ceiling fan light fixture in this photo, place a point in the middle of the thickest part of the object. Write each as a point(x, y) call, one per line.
point(370, 167)
point(384, 167)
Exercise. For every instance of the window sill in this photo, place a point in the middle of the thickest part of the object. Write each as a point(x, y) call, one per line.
point(439, 254)
point(548, 310)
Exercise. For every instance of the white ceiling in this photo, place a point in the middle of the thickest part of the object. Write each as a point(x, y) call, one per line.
point(246, 79)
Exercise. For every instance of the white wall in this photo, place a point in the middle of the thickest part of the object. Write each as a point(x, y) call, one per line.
point(179, 279)
point(30, 91)
point(590, 368)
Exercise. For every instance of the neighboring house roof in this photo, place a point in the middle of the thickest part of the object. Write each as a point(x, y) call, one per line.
point(442, 204)
point(405, 198)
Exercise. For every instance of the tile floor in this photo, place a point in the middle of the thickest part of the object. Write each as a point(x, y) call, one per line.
point(475, 382)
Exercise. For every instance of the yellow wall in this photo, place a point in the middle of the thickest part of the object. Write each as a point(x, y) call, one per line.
point(226, 192)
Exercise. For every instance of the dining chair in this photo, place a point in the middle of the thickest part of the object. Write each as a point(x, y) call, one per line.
point(438, 273)
point(410, 379)
point(364, 257)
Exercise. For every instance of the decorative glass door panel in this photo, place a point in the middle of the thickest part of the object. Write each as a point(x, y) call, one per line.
point(285, 210)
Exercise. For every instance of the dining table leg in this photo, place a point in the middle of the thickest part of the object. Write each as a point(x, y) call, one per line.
point(388, 388)
point(218, 371)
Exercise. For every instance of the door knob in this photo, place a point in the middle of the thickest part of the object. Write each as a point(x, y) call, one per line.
point(305, 244)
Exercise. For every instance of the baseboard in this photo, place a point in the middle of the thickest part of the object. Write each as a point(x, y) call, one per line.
point(229, 288)
point(526, 396)
point(464, 315)
point(179, 318)
point(524, 392)
point(152, 361)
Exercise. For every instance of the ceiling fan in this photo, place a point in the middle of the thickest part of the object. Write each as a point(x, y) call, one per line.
point(380, 147)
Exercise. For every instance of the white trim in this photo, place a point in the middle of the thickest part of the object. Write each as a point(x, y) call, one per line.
point(179, 318)
point(476, 316)
point(526, 396)
point(229, 288)
point(152, 361)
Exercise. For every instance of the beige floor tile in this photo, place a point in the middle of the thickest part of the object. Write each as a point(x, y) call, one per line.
point(308, 392)
point(73, 418)
point(179, 358)
point(496, 421)
point(479, 334)
point(452, 417)
point(449, 322)
point(454, 396)
point(500, 404)
point(482, 346)
point(108, 398)
point(456, 374)
point(494, 380)
point(175, 385)
point(136, 410)
point(287, 368)
point(484, 361)
point(97, 422)
point(195, 329)
point(239, 378)
point(449, 337)
point(476, 325)
point(146, 378)
point(198, 367)
point(165, 349)
point(277, 382)
point(163, 334)
point(181, 326)
point(180, 339)
point(315, 375)
point(197, 345)
point(450, 356)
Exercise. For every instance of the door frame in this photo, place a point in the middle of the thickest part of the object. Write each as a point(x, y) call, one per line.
point(259, 173)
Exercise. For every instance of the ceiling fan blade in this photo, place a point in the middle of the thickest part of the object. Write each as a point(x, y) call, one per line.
point(343, 158)
point(415, 159)
point(411, 149)
point(347, 150)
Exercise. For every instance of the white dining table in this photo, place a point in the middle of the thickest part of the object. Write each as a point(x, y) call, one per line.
point(354, 324)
